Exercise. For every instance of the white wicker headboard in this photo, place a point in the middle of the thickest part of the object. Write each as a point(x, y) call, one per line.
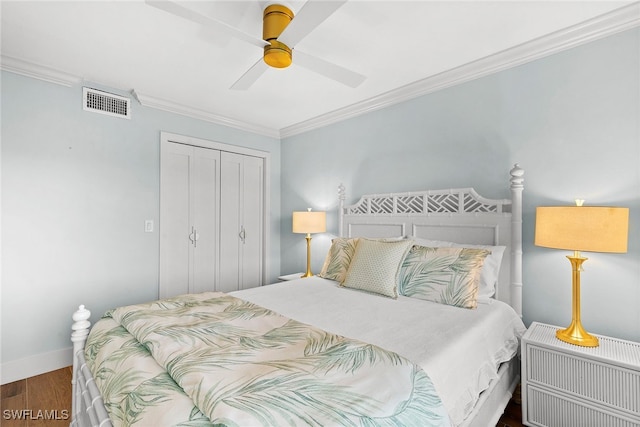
point(455, 215)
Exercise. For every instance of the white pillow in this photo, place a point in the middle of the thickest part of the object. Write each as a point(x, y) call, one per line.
point(490, 269)
point(375, 266)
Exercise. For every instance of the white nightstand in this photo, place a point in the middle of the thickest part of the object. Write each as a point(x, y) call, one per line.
point(293, 276)
point(565, 385)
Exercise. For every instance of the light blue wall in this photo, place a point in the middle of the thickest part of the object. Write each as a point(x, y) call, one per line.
point(76, 190)
point(77, 187)
point(571, 120)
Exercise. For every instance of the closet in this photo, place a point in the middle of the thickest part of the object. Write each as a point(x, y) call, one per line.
point(212, 217)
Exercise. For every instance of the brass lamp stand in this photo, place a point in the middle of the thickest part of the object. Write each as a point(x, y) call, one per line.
point(575, 333)
point(308, 222)
point(308, 272)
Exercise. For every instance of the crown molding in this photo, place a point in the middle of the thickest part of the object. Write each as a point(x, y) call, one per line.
point(52, 75)
point(619, 20)
point(616, 21)
point(184, 110)
point(40, 72)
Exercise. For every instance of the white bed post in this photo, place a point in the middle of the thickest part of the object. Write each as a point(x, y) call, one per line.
point(517, 186)
point(80, 328)
point(341, 197)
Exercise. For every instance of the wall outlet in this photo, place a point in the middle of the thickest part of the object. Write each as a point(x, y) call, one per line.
point(148, 226)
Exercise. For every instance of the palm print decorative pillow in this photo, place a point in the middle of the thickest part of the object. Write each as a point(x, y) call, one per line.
point(338, 259)
point(446, 275)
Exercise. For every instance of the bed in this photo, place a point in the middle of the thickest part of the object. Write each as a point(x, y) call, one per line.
point(415, 319)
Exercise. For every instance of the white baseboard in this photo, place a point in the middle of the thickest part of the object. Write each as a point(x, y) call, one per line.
point(35, 365)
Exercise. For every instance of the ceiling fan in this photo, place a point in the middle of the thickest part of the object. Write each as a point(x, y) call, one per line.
point(281, 32)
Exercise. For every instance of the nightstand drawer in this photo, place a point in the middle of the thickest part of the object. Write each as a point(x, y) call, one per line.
point(549, 409)
point(567, 385)
point(591, 380)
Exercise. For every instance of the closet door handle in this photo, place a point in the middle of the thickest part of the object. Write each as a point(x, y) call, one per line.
point(242, 234)
point(194, 236)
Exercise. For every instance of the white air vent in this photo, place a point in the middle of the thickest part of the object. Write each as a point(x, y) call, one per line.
point(105, 103)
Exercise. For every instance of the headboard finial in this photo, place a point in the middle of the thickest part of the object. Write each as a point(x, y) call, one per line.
point(341, 197)
point(517, 176)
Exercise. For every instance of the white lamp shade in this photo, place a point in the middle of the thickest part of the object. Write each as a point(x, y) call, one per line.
point(309, 222)
point(582, 228)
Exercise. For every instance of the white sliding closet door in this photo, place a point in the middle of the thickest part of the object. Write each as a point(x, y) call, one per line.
point(241, 221)
point(189, 207)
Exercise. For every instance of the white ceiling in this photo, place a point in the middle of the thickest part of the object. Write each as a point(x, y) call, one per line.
point(403, 48)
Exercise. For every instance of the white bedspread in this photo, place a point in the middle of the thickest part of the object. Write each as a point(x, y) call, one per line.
point(459, 348)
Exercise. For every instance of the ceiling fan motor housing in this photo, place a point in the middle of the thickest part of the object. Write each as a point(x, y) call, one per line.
point(275, 19)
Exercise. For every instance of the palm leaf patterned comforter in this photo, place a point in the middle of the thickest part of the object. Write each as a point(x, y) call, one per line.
point(213, 359)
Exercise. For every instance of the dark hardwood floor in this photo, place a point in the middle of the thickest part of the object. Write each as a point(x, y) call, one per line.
point(45, 400)
point(512, 416)
point(40, 401)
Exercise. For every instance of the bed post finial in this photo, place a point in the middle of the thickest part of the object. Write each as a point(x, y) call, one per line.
point(80, 327)
point(517, 185)
point(517, 174)
point(341, 197)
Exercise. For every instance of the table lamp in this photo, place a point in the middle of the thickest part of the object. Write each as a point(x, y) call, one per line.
point(309, 222)
point(581, 228)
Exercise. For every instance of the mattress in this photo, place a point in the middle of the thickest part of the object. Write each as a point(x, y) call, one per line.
point(460, 349)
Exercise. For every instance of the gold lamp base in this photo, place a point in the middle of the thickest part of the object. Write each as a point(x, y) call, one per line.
point(308, 273)
point(575, 333)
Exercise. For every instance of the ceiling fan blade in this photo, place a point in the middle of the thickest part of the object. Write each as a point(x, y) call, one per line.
point(250, 76)
point(186, 13)
point(310, 15)
point(328, 69)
